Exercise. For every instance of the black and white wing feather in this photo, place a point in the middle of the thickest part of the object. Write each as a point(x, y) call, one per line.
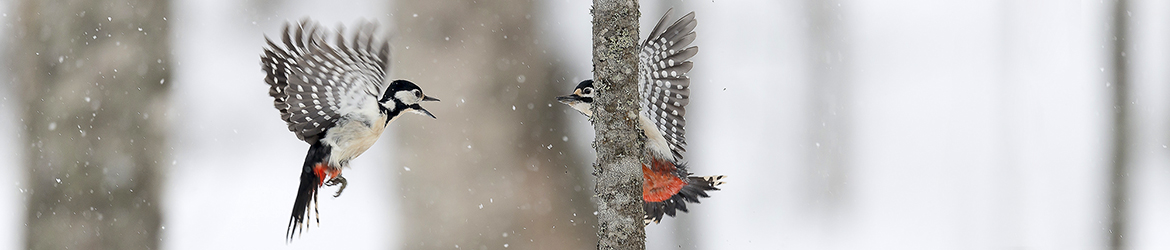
point(314, 83)
point(664, 85)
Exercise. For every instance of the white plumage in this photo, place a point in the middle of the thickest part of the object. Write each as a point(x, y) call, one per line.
point(315, 84)
point(664, 85)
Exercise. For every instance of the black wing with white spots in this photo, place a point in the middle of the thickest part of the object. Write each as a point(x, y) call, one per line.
point(664, 84)
point(314, 83)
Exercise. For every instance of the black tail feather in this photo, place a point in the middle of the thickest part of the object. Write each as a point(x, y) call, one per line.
point(307, 191)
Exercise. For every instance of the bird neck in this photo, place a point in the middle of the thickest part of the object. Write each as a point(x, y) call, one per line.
point(392, 112)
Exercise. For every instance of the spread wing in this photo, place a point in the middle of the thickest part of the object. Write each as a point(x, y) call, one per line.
point(314, 83)
point(664, 85)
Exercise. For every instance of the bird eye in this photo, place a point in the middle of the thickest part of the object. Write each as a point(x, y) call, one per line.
point(587, 91)
point(417, 94)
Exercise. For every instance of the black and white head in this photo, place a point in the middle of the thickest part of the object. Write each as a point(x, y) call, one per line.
point(581, 99)
point(403, 94)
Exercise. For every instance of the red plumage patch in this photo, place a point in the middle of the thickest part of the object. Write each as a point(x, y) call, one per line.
point(659, 182)
point(324, 172)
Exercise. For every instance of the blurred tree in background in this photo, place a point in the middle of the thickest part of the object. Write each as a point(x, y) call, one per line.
point(92, 77)
point(828, 98)
point(467, 186)
point(1119, 168)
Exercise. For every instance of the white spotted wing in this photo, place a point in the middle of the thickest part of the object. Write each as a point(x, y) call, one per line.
point(314, 83)
point(664, 85)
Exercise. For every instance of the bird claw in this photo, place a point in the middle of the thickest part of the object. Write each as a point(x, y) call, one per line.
point(334, 182)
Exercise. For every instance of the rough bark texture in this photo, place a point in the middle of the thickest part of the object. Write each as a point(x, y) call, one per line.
point(1119, 194)
point(489, 172)
point(615, 120)
point(90, 74)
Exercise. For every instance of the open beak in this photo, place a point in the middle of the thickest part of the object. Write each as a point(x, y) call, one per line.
point(428, 98)
point(569, 99)
point(420, 110)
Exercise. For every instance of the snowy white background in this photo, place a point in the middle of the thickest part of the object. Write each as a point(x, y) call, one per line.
point(971, 125)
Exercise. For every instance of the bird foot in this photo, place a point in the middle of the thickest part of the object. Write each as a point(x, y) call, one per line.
point(334, 182)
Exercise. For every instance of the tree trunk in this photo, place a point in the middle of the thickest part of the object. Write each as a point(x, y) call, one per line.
point(615, 120)
point(828, 124)
point(489, 172)
point(1119, 195)
point(91, 77)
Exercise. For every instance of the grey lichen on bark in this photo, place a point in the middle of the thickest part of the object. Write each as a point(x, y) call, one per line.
point(615, 121)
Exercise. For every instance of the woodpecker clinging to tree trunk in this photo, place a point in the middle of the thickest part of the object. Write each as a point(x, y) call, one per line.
point(665, 89)
point(331, 96)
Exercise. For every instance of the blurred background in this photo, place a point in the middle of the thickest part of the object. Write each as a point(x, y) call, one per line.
point(908, 124)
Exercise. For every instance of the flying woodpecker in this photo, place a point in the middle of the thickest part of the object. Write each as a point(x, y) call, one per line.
point(333, 96)
point(665, 89)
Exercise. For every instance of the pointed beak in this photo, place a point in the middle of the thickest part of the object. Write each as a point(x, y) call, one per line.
point(428, 99)
point(569, 99)
point(420, 110)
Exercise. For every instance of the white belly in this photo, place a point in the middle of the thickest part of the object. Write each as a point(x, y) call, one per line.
point(351, 138)
point(655, 142)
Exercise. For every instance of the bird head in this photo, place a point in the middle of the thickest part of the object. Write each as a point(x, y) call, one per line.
point(405, 94)
point(581, 99)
